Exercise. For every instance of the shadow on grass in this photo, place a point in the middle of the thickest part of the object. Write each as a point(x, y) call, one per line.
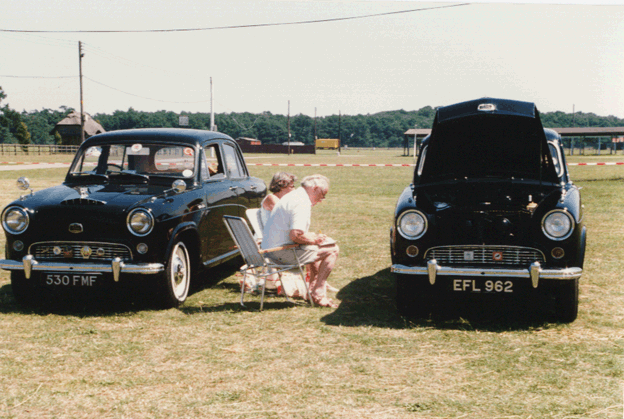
point(370, 301)
point(110, 301)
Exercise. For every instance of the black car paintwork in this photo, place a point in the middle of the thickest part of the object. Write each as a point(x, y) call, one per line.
point(490, 208)
point(101, 205)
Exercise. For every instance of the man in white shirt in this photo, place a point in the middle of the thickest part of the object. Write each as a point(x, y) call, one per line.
point(289, 223)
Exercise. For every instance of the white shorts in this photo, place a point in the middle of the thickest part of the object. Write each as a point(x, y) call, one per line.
point(306, 253)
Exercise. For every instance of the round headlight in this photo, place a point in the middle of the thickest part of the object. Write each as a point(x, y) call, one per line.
point(15, 220)
point(557, 225)
point(140, 222)
point(412, 224)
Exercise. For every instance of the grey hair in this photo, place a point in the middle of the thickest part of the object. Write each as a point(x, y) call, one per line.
point(281, 180)
point(315, 180)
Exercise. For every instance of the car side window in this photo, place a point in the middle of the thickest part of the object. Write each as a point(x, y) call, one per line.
point(421, 163)
point(212, 166)
point(233, 165)
point(556, 157)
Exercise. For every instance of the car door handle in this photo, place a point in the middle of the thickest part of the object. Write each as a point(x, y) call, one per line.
point(233, 187)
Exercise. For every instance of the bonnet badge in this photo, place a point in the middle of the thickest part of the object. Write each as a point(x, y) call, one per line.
point(75, 228)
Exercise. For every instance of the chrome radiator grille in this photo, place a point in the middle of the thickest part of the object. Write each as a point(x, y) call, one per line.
point(80, 250)
point(484, 255)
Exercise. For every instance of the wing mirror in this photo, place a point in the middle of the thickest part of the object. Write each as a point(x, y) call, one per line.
point(23, 184)
point(178, 186)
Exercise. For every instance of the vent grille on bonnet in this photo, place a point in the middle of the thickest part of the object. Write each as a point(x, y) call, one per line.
point(82, 201)
point(485, 255)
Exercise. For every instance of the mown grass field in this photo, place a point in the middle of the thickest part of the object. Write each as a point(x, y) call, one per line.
point(210, 358)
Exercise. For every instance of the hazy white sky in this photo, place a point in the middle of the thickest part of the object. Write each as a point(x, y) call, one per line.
point(559, 56)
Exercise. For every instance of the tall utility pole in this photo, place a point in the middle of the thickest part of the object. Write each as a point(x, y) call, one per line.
point(315, 135)
point(339, 128)
point(289, 127)
point(212, 124)
point(82, 118)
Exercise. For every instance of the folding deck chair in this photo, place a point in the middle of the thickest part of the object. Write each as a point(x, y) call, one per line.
point(255, 261)
point(253, 215)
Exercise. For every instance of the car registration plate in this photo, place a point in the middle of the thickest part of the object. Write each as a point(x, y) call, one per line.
point(481, 285)
point(72, 279)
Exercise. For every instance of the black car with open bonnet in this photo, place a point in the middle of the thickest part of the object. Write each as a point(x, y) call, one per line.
point(143, 206)
point(491, 214)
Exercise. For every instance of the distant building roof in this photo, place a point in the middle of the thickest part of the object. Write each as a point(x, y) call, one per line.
point(91, 127)
point(248, 140)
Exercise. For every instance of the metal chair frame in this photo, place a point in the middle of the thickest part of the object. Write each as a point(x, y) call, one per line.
point(253, 215)
point(256, 262)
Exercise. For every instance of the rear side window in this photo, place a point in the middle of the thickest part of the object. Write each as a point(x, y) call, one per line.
point(233, 165)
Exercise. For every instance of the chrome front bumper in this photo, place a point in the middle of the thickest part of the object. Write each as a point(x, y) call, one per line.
point(533, 272)
point(116, 267)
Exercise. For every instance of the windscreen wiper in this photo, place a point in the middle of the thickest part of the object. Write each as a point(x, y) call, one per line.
point(129, 174)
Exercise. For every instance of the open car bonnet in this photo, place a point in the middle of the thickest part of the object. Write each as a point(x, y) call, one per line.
point(486, 138)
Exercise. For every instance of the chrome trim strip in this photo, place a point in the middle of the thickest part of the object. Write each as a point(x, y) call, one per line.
point(29, 264)
point(220, 258)
point(534, 272)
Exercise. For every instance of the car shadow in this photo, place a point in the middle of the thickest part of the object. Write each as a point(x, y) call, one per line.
point(111, 302)
point(81, 304)
point(370, 301)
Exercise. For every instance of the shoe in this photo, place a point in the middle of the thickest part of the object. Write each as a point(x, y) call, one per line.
point(325, 302)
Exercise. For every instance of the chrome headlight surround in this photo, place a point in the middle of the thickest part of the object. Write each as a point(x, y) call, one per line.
point(15, 220)
point(412, 224)
point(140, 222)
point(558, 225)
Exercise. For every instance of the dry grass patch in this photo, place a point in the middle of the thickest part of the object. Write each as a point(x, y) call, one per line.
point(209, 358)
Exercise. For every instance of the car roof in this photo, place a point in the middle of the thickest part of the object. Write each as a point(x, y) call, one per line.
point(178, 135)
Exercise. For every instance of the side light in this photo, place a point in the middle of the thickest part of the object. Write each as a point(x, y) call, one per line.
point(142, 248)
point(557, 253)
point(412, 251)
point(412, 224)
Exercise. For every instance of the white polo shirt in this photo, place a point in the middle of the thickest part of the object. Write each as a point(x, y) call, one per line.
point(292, 212)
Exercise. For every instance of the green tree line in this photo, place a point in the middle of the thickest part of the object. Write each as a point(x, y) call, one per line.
point(383, 129)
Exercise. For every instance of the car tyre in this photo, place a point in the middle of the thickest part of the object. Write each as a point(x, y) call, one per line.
point(177, 278)
point(566, 296)
point(24, 291)
point(413, 296)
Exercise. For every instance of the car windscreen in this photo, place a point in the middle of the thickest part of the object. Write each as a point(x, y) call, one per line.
point(487, 147)
point(136, 158)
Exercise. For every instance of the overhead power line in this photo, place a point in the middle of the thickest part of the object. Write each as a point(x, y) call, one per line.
point(39, 77)
point(259, 25)
point(142, 97)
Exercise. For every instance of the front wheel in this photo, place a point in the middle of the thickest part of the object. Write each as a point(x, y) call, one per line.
point(177, 278)
point(413, 296)
point(566, 301)
point(24, 290)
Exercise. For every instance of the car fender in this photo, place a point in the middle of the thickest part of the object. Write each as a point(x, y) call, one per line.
point(186, 230)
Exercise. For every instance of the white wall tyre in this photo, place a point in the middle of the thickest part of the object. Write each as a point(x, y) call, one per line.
point(177, 278)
